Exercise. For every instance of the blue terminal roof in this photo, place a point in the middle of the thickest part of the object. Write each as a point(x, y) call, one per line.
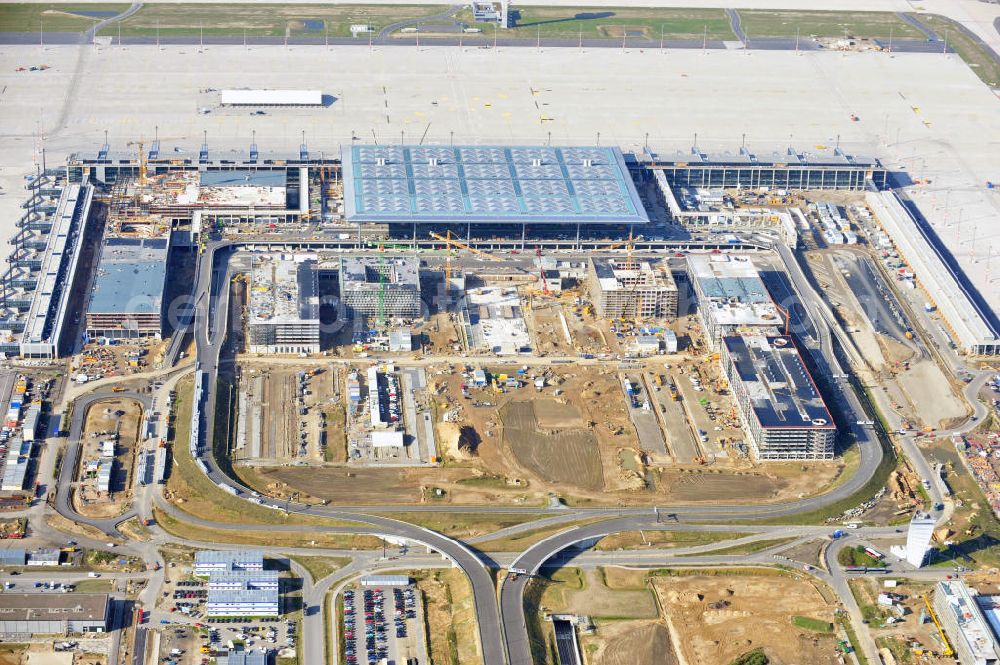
point(489, 184)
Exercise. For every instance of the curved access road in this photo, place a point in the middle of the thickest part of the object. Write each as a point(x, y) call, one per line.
point(71, 459)
point(209, 332)
point(91, 34)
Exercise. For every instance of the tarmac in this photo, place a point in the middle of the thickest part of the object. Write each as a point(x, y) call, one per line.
point(976, 16)
point(925, 113)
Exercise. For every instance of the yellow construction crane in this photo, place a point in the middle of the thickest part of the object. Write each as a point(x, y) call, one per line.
point(946, 650)
point(142, 161)
point(628, 244)
point(450, 242)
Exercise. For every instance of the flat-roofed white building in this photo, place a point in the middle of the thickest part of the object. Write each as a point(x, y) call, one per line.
point(388, 439)
point(964, 623)
point(259, 97)
point(944, 284)
point(53, 613)
point(209, 561)
point(732, 299)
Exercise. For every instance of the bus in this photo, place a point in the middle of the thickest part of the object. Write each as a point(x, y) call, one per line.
point(875, 554)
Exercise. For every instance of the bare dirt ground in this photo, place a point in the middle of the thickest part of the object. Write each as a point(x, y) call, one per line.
point(629, 628)
point(272, 413)
point(584, 592)
point(121, 416)
point(632, 643)
point(567, 439)
point(808, 552)
point(724, 617)
point(771, 481)
point(588, 333)
point(934, 401)
point(451, 618)
point(567, 456)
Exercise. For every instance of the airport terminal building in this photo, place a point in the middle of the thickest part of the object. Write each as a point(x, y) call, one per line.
point(489, 185)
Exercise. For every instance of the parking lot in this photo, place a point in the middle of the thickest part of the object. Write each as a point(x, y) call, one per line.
point(376, 639)
point(191, 644)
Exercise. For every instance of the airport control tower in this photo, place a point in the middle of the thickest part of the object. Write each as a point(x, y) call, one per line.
point(918, 540)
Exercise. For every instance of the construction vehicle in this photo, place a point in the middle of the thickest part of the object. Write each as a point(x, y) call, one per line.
point(946, 645)
point(117, 389)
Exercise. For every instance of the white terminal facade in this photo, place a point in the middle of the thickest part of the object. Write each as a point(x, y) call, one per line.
point(284, 305)
point(783, 414)
point(732, 299)
point(945, 286)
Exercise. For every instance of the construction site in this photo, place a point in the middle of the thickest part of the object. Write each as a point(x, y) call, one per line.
point(283, 414)
point(622, 615)
point(109, 445)
point(901, 615)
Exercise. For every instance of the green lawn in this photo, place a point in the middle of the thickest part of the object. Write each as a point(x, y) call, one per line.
point(52, 17)
point(871, 25)
point(815, 625)
point(611, 22)
point(856, 556)
point(264, 20)
point(752, 548)
point(319, 567)
point(985, 67)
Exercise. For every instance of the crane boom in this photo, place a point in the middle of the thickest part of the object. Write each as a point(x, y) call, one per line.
point(947, 650)
point(142, 161)
point(461, 245)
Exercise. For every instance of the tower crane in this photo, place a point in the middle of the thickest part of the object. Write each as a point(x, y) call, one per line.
point(628, 244)
point(451, 242)
point(787, 313)
point(142, 160)
point(946, 650)
point(541, 270)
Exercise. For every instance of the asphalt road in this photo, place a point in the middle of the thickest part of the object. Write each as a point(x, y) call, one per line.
point(482, 41)
point(209, 346)
point(71, 460)
point(502, 628)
